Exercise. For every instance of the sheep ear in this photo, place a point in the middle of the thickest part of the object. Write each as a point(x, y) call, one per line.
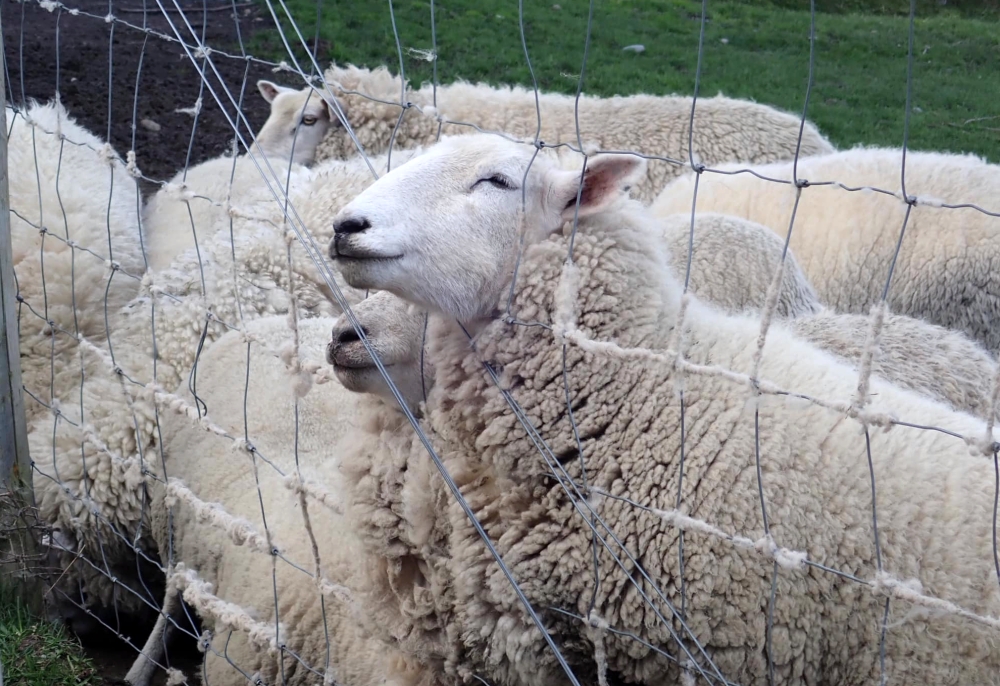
point(607, 178)
point(331, 112)
point(269, 89)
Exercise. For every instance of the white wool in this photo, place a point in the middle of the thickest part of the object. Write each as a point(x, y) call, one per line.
point(73, 213)
point(648, 124)
point(845, 240)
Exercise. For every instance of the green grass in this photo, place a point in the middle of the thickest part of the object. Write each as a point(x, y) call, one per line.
point(757, 50)
point(35, 652)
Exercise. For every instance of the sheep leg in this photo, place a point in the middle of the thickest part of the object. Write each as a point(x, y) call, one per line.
point(144, 667)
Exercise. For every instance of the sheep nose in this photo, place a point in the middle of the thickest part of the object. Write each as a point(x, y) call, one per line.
point(349, 335)
point(351, 225)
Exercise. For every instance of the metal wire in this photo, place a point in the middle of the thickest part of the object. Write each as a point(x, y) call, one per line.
point(686, 652)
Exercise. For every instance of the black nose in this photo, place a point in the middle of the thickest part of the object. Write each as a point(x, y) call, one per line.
point(350, 335)
point(351, 225)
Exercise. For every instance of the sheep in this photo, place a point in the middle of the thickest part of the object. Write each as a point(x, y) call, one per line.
point(421, 233)
point(733, 262)
point(845, 240)
point(206, 200)
point(75, 238)
point(196, 201)
point(298, 121)
point(203, 468)
point(233, 276)
point(725, 129)
point(90, 462)
point(395, 331)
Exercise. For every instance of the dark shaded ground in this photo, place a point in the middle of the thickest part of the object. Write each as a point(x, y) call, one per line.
point(162, 135)
point(113, 657)
point(168, 78)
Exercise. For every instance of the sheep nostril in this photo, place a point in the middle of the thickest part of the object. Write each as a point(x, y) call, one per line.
point(350, 336)
point(352, 225)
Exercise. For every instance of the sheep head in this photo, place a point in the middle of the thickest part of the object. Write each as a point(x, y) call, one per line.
point(298, 117)
point(444, 230)
point(394, 330)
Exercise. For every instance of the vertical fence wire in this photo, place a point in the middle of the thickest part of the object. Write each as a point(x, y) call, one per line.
point(670, 607)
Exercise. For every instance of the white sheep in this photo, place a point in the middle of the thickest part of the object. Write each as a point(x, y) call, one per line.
point(90, 464)
point(733, 263)
point(423, 234)
point(298, 121)
point(232, 277)
point(207, 201)
point(196, 201)
point(724, 130)
point(845, 241)
point(77, 255)
point(229, 548)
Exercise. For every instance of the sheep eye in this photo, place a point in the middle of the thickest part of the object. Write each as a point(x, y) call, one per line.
point(309, 120)
point(497, 180)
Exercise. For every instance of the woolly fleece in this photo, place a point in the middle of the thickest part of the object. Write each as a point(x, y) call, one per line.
point(934, 499)
point(725, 129)
point(74, 185)
point(248, 487)
point(845, 240)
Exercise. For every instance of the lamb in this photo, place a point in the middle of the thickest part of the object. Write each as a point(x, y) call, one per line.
point(725, 129)
point(846, 240)
point(204, 469)
point(421, 233)
point(77, 252)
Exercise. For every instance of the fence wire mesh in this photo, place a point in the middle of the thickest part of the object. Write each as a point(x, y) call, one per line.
point(173, 328)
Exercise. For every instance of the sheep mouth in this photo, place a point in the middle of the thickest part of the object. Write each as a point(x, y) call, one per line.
point(343, 251)
point(361, 379)
point(353, 356)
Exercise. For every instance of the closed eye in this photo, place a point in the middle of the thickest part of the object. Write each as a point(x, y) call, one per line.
point(498, 181)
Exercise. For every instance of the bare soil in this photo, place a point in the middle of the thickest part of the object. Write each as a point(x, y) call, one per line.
point(168, 81)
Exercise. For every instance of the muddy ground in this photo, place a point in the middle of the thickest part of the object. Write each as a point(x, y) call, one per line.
point(169, 80)
point(163, 135)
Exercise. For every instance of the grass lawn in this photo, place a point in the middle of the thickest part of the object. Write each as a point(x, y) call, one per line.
point(35, 652)
point(756, 49)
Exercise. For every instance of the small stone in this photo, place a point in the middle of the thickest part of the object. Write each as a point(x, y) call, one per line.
point(724, 41)
point(149, 125)
point(917, 110)
point(556, 7)
point(638, 47)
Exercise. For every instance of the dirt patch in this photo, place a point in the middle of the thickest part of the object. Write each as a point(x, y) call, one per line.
point(168, 80)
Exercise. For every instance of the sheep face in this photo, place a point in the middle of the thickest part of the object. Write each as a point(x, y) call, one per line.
point(394, 330)
point(298, 117)
point(443, 230)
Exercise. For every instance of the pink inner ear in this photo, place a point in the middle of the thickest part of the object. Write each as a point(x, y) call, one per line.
point(597, 186)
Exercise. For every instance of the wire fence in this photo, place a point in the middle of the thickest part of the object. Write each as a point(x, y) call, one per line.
point(179, 448)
